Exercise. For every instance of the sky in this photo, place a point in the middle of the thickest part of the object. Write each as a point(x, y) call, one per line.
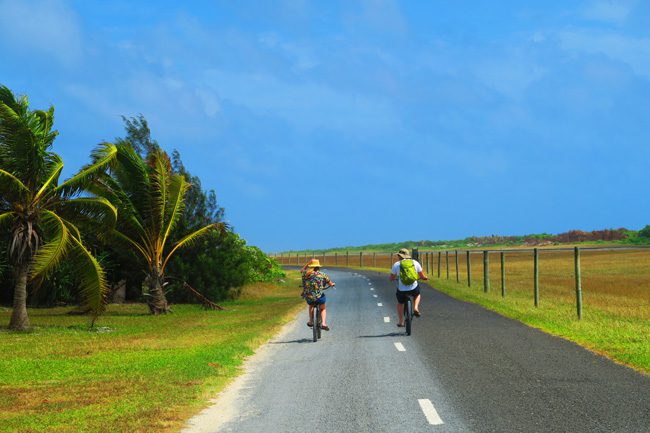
point(342, 123)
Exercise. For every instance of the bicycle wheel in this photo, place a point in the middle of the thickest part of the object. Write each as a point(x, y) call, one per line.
point(320, 321)
point(408, 315)
point(315, 320)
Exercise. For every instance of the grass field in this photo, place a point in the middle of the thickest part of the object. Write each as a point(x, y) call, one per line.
point(615, 286)
point(134, 372)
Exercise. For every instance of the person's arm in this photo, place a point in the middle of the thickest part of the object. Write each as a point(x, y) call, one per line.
point(422, 276)
point(392, 277)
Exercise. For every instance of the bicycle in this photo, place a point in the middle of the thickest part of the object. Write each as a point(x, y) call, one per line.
point(408, 314)
point(316, 321)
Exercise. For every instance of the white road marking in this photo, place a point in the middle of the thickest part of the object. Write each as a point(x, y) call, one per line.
point(430, 411)
point(370, 284)
point(374, 296)
point(372, 288)
point(386, 319)
point(400, 347)
point(379, 304)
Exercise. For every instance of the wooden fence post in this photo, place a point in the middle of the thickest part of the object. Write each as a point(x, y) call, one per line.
point(426, 262)
point(457, 277)
point(503, 274)
point(391, 261)
point(347, 259)
point(486, 271)
point(439, 262)
point(469, 270)
point(360, 260)
point(536, 276)
point(447, 262)
point(374, 260)
point(578, 283)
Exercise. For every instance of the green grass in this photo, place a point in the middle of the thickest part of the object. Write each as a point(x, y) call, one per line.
point(134, 372)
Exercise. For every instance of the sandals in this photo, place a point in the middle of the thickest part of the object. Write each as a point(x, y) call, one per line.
point(311, 325)
point(416, 313)
point(400, 326)
point(324, 327)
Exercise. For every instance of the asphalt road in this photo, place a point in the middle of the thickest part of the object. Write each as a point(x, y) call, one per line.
point(464, 369)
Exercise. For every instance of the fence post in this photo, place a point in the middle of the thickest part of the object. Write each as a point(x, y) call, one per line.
point(439, 261)
point(391, 261)
point(447, 262)
point(536, 271)
point(426, 262)
point(361, 259)
point(578, 283)
point(503, 274)
point(486, 271)
point(336, 259)
point(374, 260)
point(347, 258)
point(469, 270)
point(457, 277)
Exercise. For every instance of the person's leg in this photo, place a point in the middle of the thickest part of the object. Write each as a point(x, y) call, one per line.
point(310, 311)
point(323, 315)
point(416, 303)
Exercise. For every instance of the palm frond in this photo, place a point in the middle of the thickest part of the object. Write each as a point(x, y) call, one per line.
point(49, 255)
point(159, 180)
point(102, 157)
point(193, 237)
point(177, 190)
point(55, 166)
point(96, 211)
point(6, 219)
point(11, 188)
point(92, 279)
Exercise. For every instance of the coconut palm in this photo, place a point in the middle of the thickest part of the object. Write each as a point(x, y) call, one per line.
point(43, 217)
point(150, 199)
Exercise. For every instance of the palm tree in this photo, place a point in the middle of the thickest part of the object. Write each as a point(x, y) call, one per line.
point(150, 199)
point(43, 216)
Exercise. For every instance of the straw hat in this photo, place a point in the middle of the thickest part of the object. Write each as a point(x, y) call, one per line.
point(404, 254)
point(314, 263)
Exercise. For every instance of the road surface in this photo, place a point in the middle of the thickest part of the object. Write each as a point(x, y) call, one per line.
point(464, 369)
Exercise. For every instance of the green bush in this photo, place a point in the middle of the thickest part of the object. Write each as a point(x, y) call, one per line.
point(645, 232)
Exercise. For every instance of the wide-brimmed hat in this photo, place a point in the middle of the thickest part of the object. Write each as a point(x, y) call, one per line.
point(314, 263)
point(404, 254)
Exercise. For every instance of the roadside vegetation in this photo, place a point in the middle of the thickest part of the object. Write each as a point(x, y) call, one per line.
point(601, 238)
point(132, 225)
point(132, 372)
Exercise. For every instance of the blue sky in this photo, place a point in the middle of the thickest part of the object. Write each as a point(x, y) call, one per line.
point(324, 124)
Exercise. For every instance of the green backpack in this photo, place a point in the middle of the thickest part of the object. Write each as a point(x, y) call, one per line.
point(407, 273)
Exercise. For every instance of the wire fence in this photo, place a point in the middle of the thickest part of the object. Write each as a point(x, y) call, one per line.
point(616, 278)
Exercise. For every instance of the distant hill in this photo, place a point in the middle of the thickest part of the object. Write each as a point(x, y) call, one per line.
point(620, 236)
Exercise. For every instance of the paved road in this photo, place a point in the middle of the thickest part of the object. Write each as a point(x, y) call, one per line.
point(464, 369)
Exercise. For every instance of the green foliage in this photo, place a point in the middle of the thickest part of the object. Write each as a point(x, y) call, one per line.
point(645, 232)
point(42, 216)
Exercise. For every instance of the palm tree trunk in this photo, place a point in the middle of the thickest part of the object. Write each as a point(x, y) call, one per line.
point(19, 318)
point(156, 299)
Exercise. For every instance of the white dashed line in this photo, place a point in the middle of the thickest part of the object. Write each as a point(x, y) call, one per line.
point(374, 296)
point(430, 411)
point(370, 284)
point(379, 304)
point(372, 288)
point(386, 319)
point(400, 347)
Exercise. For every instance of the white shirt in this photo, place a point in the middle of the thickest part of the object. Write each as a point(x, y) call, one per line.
point(395, 271)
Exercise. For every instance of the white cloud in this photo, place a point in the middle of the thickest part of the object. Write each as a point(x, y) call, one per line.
point(39, 27)
point(634, 52)
point(615, 11)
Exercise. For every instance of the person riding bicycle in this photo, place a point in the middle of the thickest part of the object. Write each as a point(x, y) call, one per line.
point(406, 267)
point(314, 283)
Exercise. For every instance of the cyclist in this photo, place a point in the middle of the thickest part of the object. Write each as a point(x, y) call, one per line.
point(314, 283)
point(406, 290)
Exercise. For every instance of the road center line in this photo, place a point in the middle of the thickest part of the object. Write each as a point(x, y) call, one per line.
point(379, 304)
point(374, 296)
point(400, 347)
point(372, 288)
point(386, 319)
point(430, 411)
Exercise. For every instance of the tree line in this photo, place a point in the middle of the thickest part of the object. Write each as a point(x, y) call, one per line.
point(133, 216)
